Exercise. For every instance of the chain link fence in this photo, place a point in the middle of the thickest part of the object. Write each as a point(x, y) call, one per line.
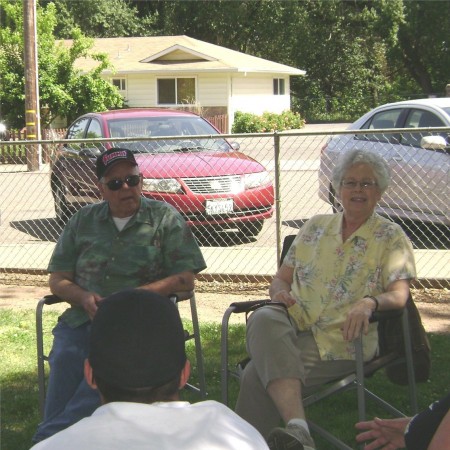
point(240, 216)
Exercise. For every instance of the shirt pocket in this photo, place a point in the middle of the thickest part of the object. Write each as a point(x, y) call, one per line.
point(142, 261)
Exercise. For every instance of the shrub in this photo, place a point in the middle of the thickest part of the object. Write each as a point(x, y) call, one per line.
point(267, 123)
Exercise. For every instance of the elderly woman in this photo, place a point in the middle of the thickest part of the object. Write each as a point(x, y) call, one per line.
point(339, 269)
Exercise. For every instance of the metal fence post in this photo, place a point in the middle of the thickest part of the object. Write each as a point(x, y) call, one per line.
point(276, 148)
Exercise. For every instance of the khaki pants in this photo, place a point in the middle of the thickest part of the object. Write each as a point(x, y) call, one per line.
point(279, 350)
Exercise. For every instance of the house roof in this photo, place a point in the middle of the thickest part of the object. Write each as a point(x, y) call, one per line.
point(160, 54)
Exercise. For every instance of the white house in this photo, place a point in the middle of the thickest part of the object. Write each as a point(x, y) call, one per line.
point(182, 72)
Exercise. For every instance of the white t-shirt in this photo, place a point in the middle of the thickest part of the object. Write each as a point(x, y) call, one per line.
point(121, 222)
point(207, 425)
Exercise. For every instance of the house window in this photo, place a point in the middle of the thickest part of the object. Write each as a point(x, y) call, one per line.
point(120, 83)
point(278, 86)
point(176, 91)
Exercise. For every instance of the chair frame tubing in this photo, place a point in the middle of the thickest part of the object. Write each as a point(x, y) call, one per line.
point(42, 358)
point(354, 380)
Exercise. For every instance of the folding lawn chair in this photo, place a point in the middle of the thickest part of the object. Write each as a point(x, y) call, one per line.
point(355, 380)
point(178, 297)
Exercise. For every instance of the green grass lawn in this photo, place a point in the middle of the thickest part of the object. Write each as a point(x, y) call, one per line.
point(19, 413)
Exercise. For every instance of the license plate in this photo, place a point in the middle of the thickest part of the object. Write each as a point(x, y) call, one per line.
point(215, 207)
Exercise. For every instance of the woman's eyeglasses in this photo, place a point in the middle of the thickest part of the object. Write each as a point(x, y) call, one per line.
point(350, 184)
point(131, 180)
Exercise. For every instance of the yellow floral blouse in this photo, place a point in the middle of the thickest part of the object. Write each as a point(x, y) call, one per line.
point(329, 275)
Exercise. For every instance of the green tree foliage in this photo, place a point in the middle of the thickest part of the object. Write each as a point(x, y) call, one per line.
point(11, 63)
point(66, 91)
point(100, 18)
point(240, 25)
point(357, 54)
point(342, 47)
point(423, 49)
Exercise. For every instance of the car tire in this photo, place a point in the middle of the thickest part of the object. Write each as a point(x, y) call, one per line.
point(62, 209)
point(250, 229)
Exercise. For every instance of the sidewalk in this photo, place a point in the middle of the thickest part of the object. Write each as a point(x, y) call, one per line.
point(223, 262)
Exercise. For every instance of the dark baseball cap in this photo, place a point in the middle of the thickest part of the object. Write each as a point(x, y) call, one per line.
point(137, 340)
point(113, 156)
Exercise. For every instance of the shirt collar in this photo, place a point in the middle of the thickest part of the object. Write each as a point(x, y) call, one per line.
point(364, 231)
point(143, 214)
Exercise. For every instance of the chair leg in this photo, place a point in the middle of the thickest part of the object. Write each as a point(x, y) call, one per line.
point(361, 393)
point(198, 348)
point(40, 357)
point(224, 375)
point(409, 364)
point(354, 381)
point(359, 357)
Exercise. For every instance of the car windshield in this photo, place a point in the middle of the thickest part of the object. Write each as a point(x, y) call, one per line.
point(155, 127)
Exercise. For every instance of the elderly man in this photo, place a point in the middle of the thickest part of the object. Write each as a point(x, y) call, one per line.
point(127, 241)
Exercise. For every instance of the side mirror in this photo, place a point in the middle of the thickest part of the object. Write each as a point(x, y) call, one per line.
point(235, 145)
point(433, 142)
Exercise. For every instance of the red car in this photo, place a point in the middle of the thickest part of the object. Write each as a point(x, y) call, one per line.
point(201, 175)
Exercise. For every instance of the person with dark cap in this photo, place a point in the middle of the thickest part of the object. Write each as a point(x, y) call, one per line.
point(126, 241)
point(427, 430)
point(138, 363)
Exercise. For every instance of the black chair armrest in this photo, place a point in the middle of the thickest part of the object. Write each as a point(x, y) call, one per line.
point(248, 306)
point(242, 307)
point(379, 316)
point(52, 299)
point(245, 307)
point(181, 296)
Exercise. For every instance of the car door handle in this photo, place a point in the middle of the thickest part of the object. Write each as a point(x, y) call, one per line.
point(397, 157)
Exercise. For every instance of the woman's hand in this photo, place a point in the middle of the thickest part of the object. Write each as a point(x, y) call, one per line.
point(358, 319)
point(281, 286)
point(284, 297)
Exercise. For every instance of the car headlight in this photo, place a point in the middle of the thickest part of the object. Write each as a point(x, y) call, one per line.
point(170, 185)
point(254, 180)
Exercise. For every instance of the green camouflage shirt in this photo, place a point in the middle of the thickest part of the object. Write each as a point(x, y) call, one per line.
point(154, 244)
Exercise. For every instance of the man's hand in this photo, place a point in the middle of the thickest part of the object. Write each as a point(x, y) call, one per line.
point(386, 434)
point(90, 303)
point(62, 285)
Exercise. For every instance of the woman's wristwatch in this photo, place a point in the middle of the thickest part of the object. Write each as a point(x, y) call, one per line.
point(372, 297)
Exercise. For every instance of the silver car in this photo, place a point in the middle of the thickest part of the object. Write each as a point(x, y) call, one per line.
point(419, 161)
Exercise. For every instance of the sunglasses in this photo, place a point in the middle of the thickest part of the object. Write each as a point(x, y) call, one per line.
point(130, 180)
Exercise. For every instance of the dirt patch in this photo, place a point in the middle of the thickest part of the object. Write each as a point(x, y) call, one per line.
point(213, 298)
